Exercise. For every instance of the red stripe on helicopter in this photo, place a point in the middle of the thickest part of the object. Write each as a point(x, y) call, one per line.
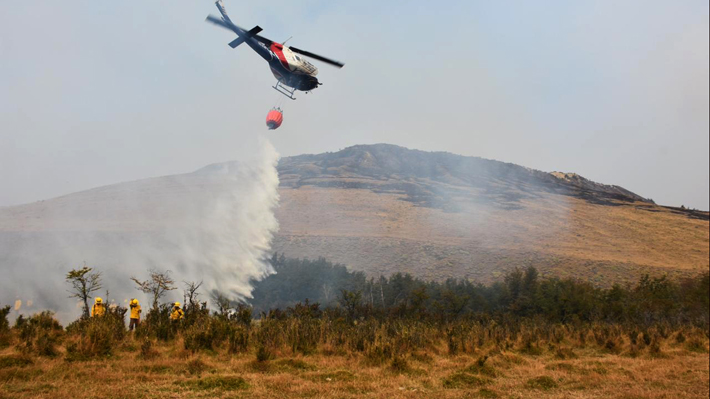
point(278, 50)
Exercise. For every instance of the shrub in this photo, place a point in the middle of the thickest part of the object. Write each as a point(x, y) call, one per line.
point(157, 324)
point(200, 336)
point(530, 347)
point(96, 336)
point(263, 354)
point(242, 315)
point(680, 337)
point(400, 365)
point(565, 353)
point(655, 349)
point(696, 345)
point(147, 351)
point(4, 323)
point(4, 327)
point(39, 334)
point(480, 367)
point(238, 338)
point(196, 366)
point(634, 351)
point(612, 346)
point(303, 335)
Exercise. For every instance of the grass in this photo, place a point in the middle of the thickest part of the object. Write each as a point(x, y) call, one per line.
point(544, 382)
point(14, 361)
point(562, 236)
point(221, 383)
point(594, 373)
point(463, 380)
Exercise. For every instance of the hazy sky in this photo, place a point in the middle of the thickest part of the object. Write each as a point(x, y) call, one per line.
point(99, 92)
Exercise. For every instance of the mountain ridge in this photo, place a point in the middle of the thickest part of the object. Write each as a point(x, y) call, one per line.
point(384, 208)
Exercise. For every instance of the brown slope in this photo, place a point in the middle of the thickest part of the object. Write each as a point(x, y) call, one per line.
point(384, 209)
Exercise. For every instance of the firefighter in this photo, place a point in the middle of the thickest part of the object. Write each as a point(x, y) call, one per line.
point(177, 313)
point(135, 314)
point(99, 308)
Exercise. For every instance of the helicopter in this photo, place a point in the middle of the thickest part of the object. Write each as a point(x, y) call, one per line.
point(292, 71)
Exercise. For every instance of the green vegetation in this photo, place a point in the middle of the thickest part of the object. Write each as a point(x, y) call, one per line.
point(522, 294)
point(544, 383)
point(220, 383)
point(390, 319)
point(4, 327)
point(463, 380)
point(455, 336)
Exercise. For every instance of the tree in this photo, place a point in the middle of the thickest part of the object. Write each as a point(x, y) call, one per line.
point(157, 285)
point(224, 304)
point(191, 293)
point(350, 301)
point(84, 281)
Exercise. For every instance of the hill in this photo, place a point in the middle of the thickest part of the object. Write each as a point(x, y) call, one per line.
point(383, 209)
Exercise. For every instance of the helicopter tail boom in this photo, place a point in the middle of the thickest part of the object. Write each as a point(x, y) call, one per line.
point(250, 37)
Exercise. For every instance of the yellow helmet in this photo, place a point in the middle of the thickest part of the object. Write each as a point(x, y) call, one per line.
point(177, 304)
point(134, 301)
point(99, 300)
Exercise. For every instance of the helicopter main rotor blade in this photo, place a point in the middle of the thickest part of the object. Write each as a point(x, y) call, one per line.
point(219, 22)
point(317, 57)
point(241, 32)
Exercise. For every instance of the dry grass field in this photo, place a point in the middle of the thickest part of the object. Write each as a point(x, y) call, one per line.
point(561, 236)
point(675, 372)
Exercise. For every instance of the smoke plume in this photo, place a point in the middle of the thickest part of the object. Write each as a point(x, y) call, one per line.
point(214, 225)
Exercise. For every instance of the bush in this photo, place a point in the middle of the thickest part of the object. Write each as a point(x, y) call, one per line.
point(238, 339)
point(263, 354)
point(196, 366)
point(96, 336)
point(199, 336)
point(480, 367)
point(157, 324)
point(680, 337)
point(565, 353)
point(211, 332)
point(400, 365)
point(4, 323)
point(39, 334)
point(147, 351)
point(4, 327)
point(696, 345)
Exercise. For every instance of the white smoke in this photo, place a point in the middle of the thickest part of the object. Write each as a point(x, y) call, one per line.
point(214, 225)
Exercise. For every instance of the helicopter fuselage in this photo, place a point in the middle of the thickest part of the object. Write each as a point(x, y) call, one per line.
point(291, 69)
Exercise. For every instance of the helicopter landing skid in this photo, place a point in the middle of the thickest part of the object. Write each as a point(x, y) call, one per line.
point(285, 90)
